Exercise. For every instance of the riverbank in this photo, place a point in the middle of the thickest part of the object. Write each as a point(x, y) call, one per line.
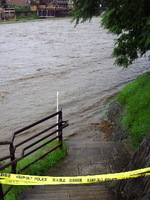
point(130, 116)
point(32, 19)
point(91, 152)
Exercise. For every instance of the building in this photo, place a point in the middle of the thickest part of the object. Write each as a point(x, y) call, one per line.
point(51, 8)
point(18, 2)
point(1, 10)
point(7, 13)
point(43, 8)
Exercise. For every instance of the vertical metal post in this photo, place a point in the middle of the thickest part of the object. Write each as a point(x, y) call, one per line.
point(57, 109)
point(12, 153)
point(60, 128)
point(1, 193)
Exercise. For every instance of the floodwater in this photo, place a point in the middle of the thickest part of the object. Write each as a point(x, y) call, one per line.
point(39, 58)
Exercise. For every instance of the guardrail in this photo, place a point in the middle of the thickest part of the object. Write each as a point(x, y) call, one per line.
point(40, 139)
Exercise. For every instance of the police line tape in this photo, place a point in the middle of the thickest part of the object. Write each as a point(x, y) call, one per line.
point(19, 179)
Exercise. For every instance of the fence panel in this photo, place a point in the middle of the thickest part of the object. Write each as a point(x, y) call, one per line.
point(35, 145)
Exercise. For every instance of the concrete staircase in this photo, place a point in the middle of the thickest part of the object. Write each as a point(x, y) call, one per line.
point(86, 156)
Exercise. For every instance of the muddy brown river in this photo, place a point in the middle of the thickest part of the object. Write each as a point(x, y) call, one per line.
point(39, 58)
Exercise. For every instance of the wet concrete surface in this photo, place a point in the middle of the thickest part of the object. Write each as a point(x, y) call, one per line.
point(85, 157)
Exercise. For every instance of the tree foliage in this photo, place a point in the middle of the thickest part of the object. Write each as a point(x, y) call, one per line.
point(128, 19)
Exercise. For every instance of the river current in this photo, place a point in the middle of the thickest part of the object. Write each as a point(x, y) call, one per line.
point(39, 58)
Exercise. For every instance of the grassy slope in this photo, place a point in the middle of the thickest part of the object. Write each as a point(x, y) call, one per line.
point(135, 98)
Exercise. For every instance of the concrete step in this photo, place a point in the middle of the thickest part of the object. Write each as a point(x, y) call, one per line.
point(83, 192)
point(76, 197)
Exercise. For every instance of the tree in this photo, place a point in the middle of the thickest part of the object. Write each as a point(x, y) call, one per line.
point(128, 19)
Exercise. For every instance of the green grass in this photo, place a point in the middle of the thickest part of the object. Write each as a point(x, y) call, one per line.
point(135, 98)
point(28, 17)
point(39, 168)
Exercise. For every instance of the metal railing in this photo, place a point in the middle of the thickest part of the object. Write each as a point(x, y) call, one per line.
point(40, 139)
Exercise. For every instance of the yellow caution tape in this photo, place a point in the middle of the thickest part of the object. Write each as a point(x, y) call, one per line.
point(19, 179)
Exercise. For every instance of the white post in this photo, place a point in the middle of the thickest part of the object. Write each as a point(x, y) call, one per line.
point(57, 109)
point(57, 101)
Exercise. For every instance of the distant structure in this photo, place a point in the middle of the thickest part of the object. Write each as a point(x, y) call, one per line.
point(6, 13)
point(51, 8)
point(43, 8)
point(18, 2)
point(1, 10)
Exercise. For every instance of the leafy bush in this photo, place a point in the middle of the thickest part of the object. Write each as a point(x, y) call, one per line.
point(21, 8)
